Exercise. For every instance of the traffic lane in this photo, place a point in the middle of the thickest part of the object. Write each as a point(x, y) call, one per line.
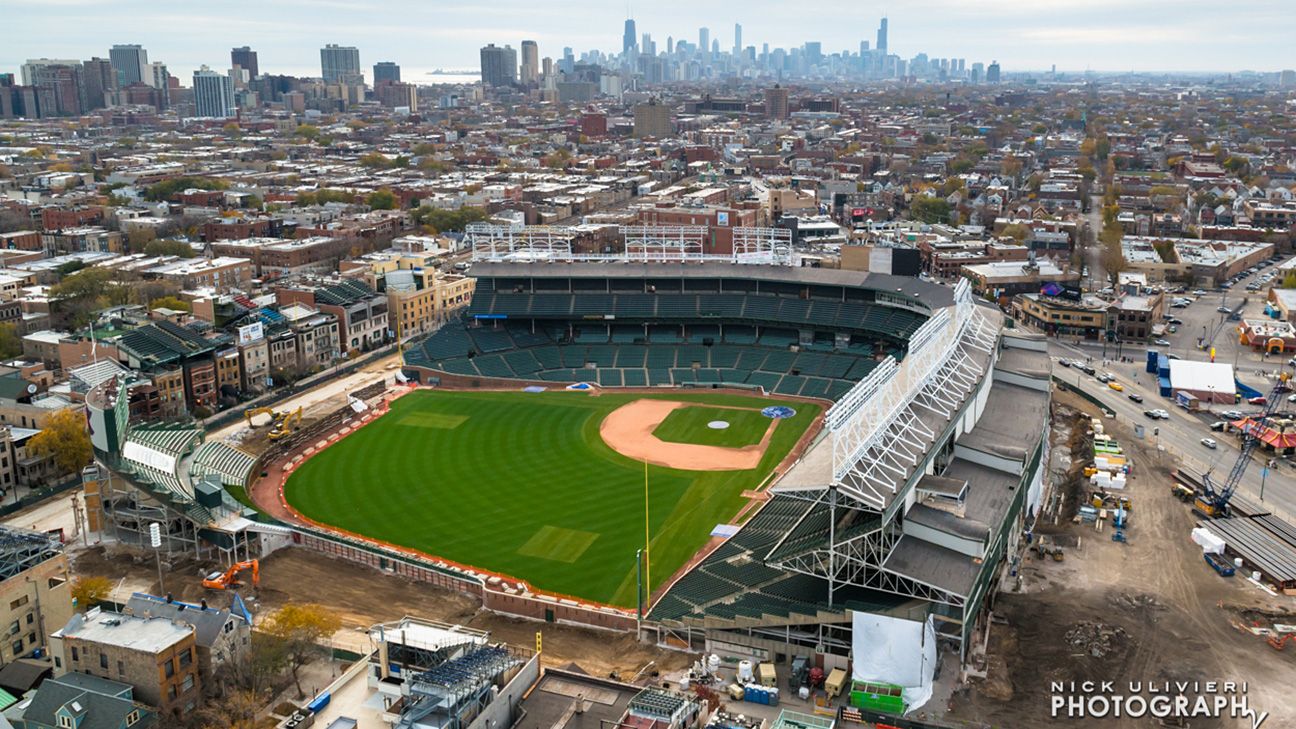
point(1181, 440)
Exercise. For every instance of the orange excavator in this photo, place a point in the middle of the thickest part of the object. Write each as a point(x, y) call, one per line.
point(229, 578)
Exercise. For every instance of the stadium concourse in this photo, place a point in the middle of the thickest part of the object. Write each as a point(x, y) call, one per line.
point(890, 535)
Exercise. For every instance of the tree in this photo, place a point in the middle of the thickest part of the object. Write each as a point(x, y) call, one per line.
point(137, 238)
point(79, 295)
point(90, 590)
point(375, 160)
point(382, 199)
point(64, 438)
point(930, 209)
point(10, 342)
point(176, 248)
point(445, 221)
point(170, 302)
point(234, 710)
point(167, 189)
point(300, 627)
point(1017, 232)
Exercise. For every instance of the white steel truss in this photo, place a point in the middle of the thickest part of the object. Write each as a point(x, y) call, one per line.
point(519, 243)
point(763, 245)
point(664, 242)
point(877, 431)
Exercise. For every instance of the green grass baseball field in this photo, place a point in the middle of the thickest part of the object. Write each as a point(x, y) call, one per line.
point(523, 484)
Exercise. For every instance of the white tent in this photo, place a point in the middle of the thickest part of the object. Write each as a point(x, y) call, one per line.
point(895, 650)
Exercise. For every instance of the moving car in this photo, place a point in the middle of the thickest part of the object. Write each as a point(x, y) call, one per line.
point(1161, 414)
point(1162, 343)
point(1223, 310)
point(1136, 397)
point(1118, 387)
point(1258, 400)
point(1152, 414)
point(1209, 443)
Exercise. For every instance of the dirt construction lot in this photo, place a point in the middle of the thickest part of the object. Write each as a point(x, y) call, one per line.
point(363, 596)
point(1149, 610)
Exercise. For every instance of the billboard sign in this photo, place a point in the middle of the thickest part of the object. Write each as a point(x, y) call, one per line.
point(251, 333)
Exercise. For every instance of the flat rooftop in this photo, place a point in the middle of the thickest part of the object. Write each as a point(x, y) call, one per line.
point(149, 635)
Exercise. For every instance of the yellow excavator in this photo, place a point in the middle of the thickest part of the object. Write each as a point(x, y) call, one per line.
point(285, 424)
point(253, 412)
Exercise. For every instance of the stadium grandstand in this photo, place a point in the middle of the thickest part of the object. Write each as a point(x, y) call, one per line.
point(165, 472)
point(891, 533)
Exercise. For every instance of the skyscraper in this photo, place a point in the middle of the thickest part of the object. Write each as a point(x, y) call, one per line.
point(337, 63)
point(704, 39)
point(60, 89)
point(628, 38)
point(156, 75)
point(992, 73)
point(652, 119)
point(737, 39)
point(385, 71)
point(882, 37)
point(129, 61)
point(499, 66)
point(99, 78)
point(776, 102)
point(246, 59)
point(530, 62)
point(213, 94)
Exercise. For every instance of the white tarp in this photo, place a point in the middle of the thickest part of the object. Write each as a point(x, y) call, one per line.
point(146, 456)
point(1210, 543)
point(895, 650)
point(358, 405)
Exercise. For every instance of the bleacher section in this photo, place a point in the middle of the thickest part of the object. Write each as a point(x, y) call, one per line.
point(763, 309)
point(519, 354)
point(791, 341)
point(217, 457)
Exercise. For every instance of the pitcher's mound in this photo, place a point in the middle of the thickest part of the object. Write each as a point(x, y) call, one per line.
point(628, 430)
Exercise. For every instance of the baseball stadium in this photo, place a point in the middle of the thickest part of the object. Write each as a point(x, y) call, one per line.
point(597, 427)
point(652, 429)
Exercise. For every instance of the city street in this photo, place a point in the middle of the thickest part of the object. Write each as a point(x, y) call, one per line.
point(1181, 435)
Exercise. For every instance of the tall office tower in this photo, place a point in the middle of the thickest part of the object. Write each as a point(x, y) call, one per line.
point(129, 62)
point(546, 67)
point(339, 62)
point(646, 46)
point(60, 89)
point(628, 38)
point(1287, 78)
point(978, 72)
point(213, 94)
point(737, 49)
point(385, 71)
point(776, 102)
point(814, 52)
point(882, 37)
point(99, 78)
point(246, 59)
point(156, 76)
point(652, 120)
point(568, 62)
point(30, 68)
point(670, 45)
point(992, 73)
point(704, 39)
point(498, 66)
point(530, 62)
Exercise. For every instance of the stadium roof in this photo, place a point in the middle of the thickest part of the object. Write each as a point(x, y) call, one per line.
point(932, 294)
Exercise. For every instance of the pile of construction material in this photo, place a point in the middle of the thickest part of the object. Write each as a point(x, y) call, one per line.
point(1110, 466)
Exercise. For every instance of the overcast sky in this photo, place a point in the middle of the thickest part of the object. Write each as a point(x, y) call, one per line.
point(1104, 35)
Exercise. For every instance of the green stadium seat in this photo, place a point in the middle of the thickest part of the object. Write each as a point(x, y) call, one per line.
point(767, 380)
point(550, 358)
point(682, 375)
point(635, 378)
point(573, 356)
point(610, 378)
point(631, 356)
point(659, 377)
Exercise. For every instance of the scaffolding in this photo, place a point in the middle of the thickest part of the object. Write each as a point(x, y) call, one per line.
point(21, 549)
point(457, 690)
point(634, 244)
point(656, 243)
point(519, 242)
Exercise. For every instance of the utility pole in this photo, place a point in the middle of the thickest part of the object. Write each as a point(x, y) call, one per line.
point(155, 538)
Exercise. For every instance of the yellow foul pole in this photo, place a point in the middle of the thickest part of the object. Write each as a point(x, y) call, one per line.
point(647, 538)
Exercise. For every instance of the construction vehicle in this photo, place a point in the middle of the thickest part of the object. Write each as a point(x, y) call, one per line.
point(836, 683)
point(285, 424)
point(253, 412)
point(1279, 642)
point(229, 578)
point(1103, 499)
point(1213, 501)
point(1219, 564)
point(1183, 493)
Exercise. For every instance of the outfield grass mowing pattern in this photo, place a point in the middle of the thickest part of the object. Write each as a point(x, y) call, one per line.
point(689, 425)
point(522, 484)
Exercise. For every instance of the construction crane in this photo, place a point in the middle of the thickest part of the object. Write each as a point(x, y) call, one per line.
point(253, 412)
point(286, 424)
point(229, 578)
point(1213, 501)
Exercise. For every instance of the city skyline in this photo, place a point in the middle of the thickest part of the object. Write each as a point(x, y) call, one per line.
point(1070, 34)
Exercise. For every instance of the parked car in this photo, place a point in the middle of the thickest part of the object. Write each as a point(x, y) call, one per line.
point(1162, 343)
point(1176, 322)
point(1232, 414)
point(1209, 443)
point(1218, 425)
point(1258, 400)
point(1135, 397)
point(1223, 310)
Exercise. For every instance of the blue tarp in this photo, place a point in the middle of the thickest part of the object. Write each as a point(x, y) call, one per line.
point(1247, 392)
point(1163, 383)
